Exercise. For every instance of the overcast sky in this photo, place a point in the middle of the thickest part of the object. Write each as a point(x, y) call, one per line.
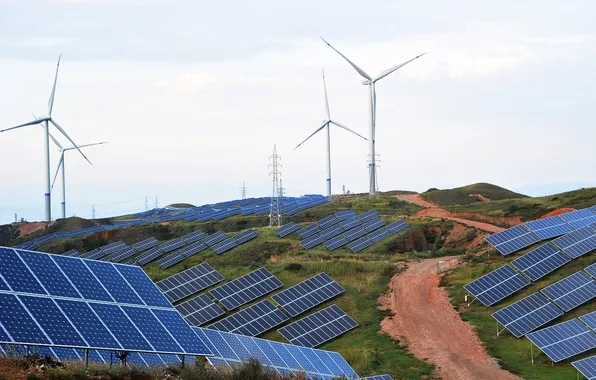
point(192, 95)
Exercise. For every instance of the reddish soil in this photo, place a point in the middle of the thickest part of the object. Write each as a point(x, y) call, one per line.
point(481, 197)
point(29, 228)
point(416, 199)
point(557, 212)
point(10, 369)
point(424, 319)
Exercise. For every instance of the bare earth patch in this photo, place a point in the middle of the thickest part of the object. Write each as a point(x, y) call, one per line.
point(424, 319)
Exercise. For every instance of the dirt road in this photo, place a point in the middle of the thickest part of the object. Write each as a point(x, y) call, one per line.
point(434, 211)
point(425, 319)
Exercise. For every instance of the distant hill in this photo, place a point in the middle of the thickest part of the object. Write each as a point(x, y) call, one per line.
point(476, 193)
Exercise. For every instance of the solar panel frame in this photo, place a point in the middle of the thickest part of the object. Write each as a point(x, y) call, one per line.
point(512, 239)
point(331, 232)
point(318, 328)
point(496, 285)
point(541, 261)
point(253, 320)
point(563, 340)
point(346, 214)
point(577, 243)
point(308, 294)
point(192, 249)
point(194, 237)
point(199, 310)
point(246, 288)
point(571, 291)
point(355, 233)
point(368, 216)
point(189, 282)
point(548, 228)
point(336, 242)
point(373, 225)
point(586, 367)
point(378, 235)
point(171, 245)
point(527, 314)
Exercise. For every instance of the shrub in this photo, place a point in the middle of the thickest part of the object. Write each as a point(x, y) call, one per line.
point(294, 267)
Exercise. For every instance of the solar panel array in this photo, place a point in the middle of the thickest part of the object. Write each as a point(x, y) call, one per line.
point(541, 261)
point(73, 252)
point(571, 291)
point(579, 218)
point(246, 288)
point(231, 349)
point(512, 239)
point(189, 282)
point(215, 238)
point(591, 270)
point(194, 236)
point(564, 340)
point(52, 300)
point(224, 246)
point(577, 243)
point(144, 245)
point(358, 243)
point(287, 229)
point(308, 294)
point(496, 285)
point(587, 367)
point(253, 320)
point(589, 319)
point(122, 255)
point(149, 255)
point(112, 248)
point(377, 377)
point(318, 327)
point(199, 310)
point(245, 236)
point(549, 227)
point(527, 314)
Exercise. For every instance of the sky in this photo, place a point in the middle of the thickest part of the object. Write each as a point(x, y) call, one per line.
point(191, 96)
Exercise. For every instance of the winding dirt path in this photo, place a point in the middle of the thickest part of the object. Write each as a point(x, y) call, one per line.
point(433, 210)
point(424, 318)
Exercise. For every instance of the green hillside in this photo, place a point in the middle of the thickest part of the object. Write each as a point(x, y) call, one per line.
point(461, 195)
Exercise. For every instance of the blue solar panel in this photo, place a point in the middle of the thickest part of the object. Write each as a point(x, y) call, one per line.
point(571, 291)
point(309, 230)
point(398, 226)
point(224, 246)
point(307, 294)
point(16, 273)
point(82, 278)
point(319, 327)
point(355, 233)
point(336, 242)
point(246, 288)
point(589, 319)
point(579, 218)
point(350, 223)
point(150, 327)
point(587, 367)
point(368, 216)
point(215, 238)
point(199, 310)
point(312, 241)
point(512, 239)
point(245, 236)
point(345, 215)
point(189, 282)
point(48, 274)
point(146, 244)
point(373, 225)
point(328, 221)
point(253, 320)
point(549, 227)
point(287, 229)
point(122, 255)
point(541, 261)
point(527, 314)
point(331, 232)
point(360, 244)
point(378, 235)
point(17, 322)
point(149, 255)
point(121, 327)
point(377, 377)
point(144, 287)
point(591, 270)
point(171, 260)
point(496, 285)
point(180, 330)
point(114, 283)
point(564, 340)
point(577, 243)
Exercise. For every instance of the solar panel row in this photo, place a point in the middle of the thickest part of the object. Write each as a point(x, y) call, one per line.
point(496, 285)
point(587, 367)
point(512, 239)
point(541, 261)
point(199, 310)
point(224, 246)
point(564, 340)
point(577, 243)
point(287, 229)
point(579, 218)
point(363, 242)
point(549, 227)
point(253, 320)
point(144, 245)
point(246, 288)
point(189, 282)
point(571, 291)
point(527, 314)
point(308, 294)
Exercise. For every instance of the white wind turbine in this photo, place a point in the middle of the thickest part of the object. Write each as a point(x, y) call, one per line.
point(61, 166)
point(46, 120)
point(372, 106)
point(326, 124)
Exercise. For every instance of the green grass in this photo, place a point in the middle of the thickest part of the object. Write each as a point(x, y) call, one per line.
point(512, 353)
point(461, 195)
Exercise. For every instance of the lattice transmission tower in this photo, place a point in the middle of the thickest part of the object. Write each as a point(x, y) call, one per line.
point(275, 210)
point(243, 190)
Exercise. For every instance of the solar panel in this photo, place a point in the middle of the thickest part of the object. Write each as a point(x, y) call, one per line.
point(360, 244)
point(571, 291)
point(122, 255)
point(328, 221)
point(368, 216)
point(188, 282)
point(253, 320)
point(336, 242)
point(132, 315)
point(113, 248)
point(541, 261)
point(308, 294)
point(192, 249)
point(149, 255)
point(347, 214)
point(350, 223)
point(549, 227)
point(309, 230)
point(287, 229)
point(92, 255)
point(591, 270)
point(355, 233)
point(194, 236)
point(73, 252)
point(378, 235)
point(527, 314)
point(496, 285)
point(319, 327)
point(245, 236)
point(312, 241)
point(231, 349)
point(398, 226)
point(215, 238)
point(224, 246)
point(171, 245)
point(589, 319)
point(587, 367)
point(564, 340)
point(373, 225)
point(199, 310)
point(579, 218)
point(331, 232)
point(512, 239)
point(171, 260)
point(577, 243)
point(377, 377)
point(246, 288)
point(146, 244)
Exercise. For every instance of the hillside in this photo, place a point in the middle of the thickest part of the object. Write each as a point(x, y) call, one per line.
point(476, 193)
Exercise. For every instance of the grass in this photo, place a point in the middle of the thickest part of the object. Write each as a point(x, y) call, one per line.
point(461, 195)
point(512, 353)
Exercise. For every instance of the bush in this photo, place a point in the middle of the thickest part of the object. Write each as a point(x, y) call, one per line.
point(294, 267)
point(30, 376)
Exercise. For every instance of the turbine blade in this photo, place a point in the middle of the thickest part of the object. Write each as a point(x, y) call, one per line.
point(25, 125)
point(360, 71)
point(69, 139)
point(51, 136)
point(389, 71)
point(346, 128)
point(326, 99)
point(58, 169)
point(51, 101)
point(314, 133)
point(85, 145)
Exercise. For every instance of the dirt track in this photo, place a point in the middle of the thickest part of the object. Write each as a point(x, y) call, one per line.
point(433, 330)
point(434, 211)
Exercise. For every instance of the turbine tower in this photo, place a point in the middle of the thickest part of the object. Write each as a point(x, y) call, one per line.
point(61, 166)
point(46, 120)
point(372, 106)
point(326, 124)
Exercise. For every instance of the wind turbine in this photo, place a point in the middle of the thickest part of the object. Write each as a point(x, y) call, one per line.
point(372, 106)
point(61, 166)
point(326, 124)
point(46, 120)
